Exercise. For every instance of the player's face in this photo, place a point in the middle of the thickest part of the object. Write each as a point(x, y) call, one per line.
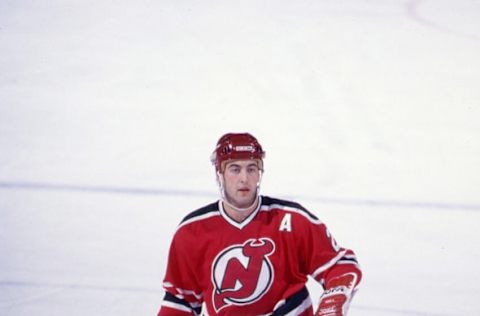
point(241, 178)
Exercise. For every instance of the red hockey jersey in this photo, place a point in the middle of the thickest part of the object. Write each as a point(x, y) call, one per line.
point(256, 267)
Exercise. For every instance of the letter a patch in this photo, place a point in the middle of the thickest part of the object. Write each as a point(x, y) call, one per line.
point(286, 224)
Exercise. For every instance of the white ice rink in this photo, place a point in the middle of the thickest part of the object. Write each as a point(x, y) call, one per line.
point(369, 111)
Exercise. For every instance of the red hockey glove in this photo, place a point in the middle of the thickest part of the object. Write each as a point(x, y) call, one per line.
point(336, 299)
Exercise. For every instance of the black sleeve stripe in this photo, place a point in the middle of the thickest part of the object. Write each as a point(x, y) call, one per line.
point(292, 302)
point(169, 297)
point(348, 260)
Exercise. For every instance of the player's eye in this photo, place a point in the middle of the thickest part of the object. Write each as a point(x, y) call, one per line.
point(235, 169)
point(252, 169)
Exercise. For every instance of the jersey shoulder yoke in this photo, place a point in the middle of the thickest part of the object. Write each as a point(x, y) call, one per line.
point(286, 205)
point(203, 212)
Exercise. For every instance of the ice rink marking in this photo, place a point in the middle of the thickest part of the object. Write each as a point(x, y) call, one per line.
point(358, 202)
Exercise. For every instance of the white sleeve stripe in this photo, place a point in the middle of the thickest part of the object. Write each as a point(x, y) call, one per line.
point(329, 264)
point(182, 291)
point(180, 307)
point(347, 262)
point(353, 257)
point(187, 292)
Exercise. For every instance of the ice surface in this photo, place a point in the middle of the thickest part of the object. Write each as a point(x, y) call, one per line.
point(369, 112)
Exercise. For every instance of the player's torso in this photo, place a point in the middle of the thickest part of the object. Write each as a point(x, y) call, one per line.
point(247, 270)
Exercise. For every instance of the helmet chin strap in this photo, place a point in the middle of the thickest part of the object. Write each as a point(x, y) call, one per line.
point(224, 196)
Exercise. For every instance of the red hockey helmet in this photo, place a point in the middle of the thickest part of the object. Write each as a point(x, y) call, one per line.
point(241, 146)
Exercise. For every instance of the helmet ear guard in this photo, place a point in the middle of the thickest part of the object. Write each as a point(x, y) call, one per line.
point(237, 146)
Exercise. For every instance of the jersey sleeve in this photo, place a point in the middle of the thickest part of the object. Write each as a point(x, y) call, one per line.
point(327, 260)
point(183, 295)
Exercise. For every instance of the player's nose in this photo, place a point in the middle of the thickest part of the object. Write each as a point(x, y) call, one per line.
point(243, 176)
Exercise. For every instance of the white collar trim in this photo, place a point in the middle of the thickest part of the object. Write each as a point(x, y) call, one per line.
point(246, 221)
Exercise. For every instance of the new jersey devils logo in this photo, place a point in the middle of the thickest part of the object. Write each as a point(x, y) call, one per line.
point(242, 274)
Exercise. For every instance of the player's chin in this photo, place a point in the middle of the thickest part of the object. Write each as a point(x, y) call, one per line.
point(247, 199)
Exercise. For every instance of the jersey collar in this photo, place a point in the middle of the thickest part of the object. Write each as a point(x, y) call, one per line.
point(243, 223)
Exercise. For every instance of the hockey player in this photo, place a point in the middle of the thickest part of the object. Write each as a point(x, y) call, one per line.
point(248, 254)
